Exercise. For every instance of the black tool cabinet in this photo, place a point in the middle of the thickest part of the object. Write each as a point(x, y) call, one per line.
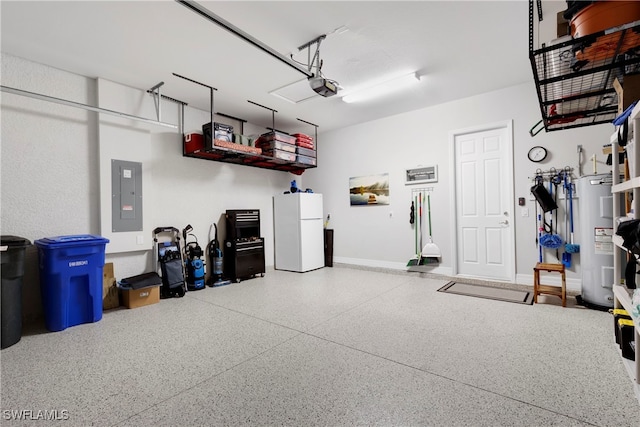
point(244, 248)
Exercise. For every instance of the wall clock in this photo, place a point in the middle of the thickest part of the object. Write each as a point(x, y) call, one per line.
point(537, 154)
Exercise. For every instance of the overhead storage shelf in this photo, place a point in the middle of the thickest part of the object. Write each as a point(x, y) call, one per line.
point(574, 79)
point(226, 155)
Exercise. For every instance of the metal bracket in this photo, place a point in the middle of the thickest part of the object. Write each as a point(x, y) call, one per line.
point(315, 134)
point(421, 190)
point(155, 92)
point(211, 90)
point(273, 113)
point(83, 106)
point(316, 55)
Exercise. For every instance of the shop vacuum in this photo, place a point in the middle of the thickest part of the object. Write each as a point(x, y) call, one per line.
point(214, 254)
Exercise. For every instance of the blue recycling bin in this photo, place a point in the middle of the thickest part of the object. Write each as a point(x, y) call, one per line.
point(71, 279)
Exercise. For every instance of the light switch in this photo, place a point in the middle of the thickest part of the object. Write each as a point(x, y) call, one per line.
point(524, 212)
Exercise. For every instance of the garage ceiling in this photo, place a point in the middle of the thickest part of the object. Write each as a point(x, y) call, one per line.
point(462, 48)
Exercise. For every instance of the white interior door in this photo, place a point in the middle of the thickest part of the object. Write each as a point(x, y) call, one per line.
point(484, 203)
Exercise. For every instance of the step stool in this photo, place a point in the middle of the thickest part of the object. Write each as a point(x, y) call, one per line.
point(539, 289)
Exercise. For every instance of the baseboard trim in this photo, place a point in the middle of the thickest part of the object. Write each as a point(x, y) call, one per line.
point(390, 265)
point(574, 285)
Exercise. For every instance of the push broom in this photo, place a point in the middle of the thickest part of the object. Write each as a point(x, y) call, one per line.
point(430, 252)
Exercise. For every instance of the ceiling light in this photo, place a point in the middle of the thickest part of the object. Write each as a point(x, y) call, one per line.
point(382, 89)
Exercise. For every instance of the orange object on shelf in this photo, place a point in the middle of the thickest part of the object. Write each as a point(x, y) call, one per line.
point(236, 147)
point(600, 16)
point(603, 15)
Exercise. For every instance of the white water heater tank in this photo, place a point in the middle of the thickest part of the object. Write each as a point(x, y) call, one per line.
point(596, 245)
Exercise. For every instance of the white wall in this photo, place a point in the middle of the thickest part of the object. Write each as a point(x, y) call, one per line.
point(382, 235)
point(50, 171)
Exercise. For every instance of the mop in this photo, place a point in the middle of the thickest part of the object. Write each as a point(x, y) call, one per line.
point(566, 255)
point(430, 252)
point(571, 248)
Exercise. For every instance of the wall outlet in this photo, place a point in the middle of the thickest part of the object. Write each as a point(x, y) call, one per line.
point(140, 240)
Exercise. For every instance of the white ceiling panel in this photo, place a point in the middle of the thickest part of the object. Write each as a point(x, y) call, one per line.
point(463, 47)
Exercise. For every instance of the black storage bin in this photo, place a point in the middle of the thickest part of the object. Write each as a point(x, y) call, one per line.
point(618, 314)
point(328, 247)
point(627, 338)
point(12, 250)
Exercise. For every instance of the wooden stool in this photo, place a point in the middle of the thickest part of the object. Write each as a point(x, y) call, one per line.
point(539, 289)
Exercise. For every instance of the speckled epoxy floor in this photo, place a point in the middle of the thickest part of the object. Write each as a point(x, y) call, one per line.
point(335, 347)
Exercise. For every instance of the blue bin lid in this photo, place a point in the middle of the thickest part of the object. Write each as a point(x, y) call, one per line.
point(72, 240)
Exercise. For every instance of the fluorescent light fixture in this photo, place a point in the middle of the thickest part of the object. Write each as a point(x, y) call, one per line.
point(382, 89)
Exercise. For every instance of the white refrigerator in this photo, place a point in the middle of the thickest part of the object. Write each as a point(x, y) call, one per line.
point(298, 230)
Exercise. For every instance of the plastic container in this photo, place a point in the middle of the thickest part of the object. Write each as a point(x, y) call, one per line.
point(626, 332)
point(12, 249)
point(281, 155)
point(193, 142)
point(306, 152)
point(306, 160)
point(278, 136)
point(278, 145)
point(619, 313)
point(71, 279)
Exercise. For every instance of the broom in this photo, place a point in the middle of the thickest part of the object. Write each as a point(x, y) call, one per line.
point(430, 252)
point(571, 248)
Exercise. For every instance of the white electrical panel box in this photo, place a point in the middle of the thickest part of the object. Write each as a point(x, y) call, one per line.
point(126, 196)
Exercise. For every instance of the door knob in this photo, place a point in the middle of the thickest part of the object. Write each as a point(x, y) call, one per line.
point(505, 222)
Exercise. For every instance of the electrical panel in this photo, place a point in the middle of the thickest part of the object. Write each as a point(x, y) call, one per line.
point(126, 196)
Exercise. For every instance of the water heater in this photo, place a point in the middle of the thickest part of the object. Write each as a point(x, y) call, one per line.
point(596, 245)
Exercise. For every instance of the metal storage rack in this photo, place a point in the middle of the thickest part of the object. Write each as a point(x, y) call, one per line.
point(574, 79)
point(622, 295)
point(239, 157)
point(227, 155)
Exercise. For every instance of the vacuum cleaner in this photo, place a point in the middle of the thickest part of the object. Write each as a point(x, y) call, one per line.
point(215, 256)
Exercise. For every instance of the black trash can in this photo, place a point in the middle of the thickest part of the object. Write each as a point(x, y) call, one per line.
point(328, 247)
point(12, 249)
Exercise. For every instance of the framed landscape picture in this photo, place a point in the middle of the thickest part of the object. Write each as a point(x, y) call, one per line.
point(371, 190)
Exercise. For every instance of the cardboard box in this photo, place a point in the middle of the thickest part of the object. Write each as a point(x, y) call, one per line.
point(109, 290)
point(628, 91)
point(134, 298)
point(562, 24)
